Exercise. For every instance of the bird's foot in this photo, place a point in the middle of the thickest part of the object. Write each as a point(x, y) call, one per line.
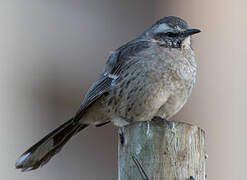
point(121, 136)
point(158, 119)
point(192, 178)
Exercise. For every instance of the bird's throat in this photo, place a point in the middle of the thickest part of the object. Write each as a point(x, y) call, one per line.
point(186, 43)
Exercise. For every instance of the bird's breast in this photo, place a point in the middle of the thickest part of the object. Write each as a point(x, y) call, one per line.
point(176, 67)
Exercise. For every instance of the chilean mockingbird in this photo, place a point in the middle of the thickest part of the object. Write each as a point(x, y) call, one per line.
point(150, 76)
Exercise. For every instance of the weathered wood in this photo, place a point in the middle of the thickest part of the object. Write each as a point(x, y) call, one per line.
point(165, 151)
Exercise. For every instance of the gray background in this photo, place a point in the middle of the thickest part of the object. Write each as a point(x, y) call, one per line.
point(51, 51)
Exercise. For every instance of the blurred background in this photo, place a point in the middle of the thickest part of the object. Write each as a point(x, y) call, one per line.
point(51, 52)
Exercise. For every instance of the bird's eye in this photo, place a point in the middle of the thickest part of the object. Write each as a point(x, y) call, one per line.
point(171, 34)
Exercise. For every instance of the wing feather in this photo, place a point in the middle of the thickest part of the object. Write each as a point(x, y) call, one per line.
point(119, 61)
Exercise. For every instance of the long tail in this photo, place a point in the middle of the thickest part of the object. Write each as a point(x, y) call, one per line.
point(40, 153)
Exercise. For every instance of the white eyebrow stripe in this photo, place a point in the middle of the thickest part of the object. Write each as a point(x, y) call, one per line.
point(162, 27)
point(178, 28)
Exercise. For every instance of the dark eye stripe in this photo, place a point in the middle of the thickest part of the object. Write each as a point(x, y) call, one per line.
point(171, 34)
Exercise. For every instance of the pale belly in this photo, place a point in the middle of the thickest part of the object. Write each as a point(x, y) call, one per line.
point(173, 105)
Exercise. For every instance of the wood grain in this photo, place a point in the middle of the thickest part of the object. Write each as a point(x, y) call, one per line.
point(165, 150)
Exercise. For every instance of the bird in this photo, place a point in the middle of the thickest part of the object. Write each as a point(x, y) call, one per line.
point(150, 76)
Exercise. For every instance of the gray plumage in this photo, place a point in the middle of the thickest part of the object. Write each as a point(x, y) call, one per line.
point(150, 76)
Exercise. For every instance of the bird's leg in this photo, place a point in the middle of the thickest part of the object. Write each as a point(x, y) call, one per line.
point(158, 118)
point(192, 178)
point(121, 136)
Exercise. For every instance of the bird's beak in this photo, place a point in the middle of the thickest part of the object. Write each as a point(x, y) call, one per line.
point(190, 32)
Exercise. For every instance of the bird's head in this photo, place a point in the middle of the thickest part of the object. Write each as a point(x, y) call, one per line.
point(172, 32)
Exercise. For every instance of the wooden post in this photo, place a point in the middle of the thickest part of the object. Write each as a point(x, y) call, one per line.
point(164, 151)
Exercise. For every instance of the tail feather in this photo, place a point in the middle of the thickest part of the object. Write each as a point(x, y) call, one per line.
point(40, 153)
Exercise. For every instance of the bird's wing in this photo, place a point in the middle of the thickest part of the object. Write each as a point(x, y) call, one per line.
point(121, 59)
point(102, 85)
point(118, 62)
